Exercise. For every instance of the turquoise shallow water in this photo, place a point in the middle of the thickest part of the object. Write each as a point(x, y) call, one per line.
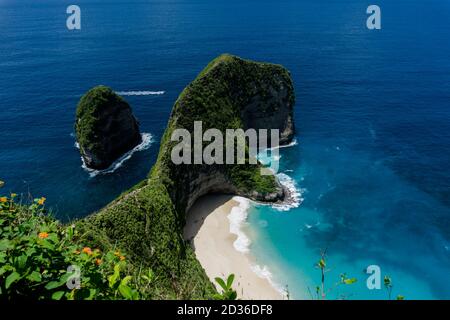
point(372, 118)
point(363, 214)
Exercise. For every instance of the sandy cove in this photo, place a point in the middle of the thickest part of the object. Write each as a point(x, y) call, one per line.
point(208, 231)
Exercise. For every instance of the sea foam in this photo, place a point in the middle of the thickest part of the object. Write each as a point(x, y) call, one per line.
point(294, 142)
point(295, 193)
point(264, 273)
point(147, 140)
point(239, 214)
point(237, 218)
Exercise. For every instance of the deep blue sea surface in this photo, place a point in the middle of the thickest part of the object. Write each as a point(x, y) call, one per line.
point(373, 119)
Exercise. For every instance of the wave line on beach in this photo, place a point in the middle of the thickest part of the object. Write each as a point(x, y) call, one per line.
point(264, 273)
point(237, 218)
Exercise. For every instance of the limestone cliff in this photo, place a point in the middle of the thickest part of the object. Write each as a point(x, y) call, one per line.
point(230, 93)
point(148, 220)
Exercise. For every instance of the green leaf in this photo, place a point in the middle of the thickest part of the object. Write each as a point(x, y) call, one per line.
point(399, 297)
point(150, 275)
point(13, 277)
point(350, 281)
point(65, 277)
point(230, 280)
point(125, 280)
point(115, 276)
point(126, 292)
point(221, 283)
point(35, 277)
point(5, 244)
point(5, 268)
point(92, 293)
point(30, 251)
point(22, 261)
point(52, 285)
point(322, 263)
point(47, 244)
point(53, 237)
point(58, 295)
point(56, 284)
point(69, 232)
point(217, 296)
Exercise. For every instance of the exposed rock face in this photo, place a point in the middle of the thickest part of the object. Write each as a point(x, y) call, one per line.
point(105, 127)
point(272, 107)
point(231, 93)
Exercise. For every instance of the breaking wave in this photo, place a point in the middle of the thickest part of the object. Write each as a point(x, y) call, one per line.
point(264, 273)
point(147, 140)
point(295, 193)
point(237, 218)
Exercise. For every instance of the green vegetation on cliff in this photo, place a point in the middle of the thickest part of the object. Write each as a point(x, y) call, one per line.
point(146, 223)
point(219, 97)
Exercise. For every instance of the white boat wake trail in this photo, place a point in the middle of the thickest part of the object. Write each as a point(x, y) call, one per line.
point(140, 93)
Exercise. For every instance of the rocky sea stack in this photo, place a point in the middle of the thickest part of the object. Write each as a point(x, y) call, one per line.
point(105, 127)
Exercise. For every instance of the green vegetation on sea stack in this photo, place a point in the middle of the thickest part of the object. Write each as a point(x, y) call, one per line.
point(105, 127)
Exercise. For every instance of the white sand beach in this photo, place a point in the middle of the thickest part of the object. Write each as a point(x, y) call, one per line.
point(208, 229)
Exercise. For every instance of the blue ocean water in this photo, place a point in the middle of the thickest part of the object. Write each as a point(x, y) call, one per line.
point(372, 116)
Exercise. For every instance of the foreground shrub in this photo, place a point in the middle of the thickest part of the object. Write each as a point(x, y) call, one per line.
point(42, 259)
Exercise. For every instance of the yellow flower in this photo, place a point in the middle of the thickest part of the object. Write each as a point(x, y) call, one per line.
point(87, 250)
point(13, 195)
point(41, 201)
point(43, 235)
point(3, 199)
point(98, 261)
point(117, 253)
point(122, 258)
